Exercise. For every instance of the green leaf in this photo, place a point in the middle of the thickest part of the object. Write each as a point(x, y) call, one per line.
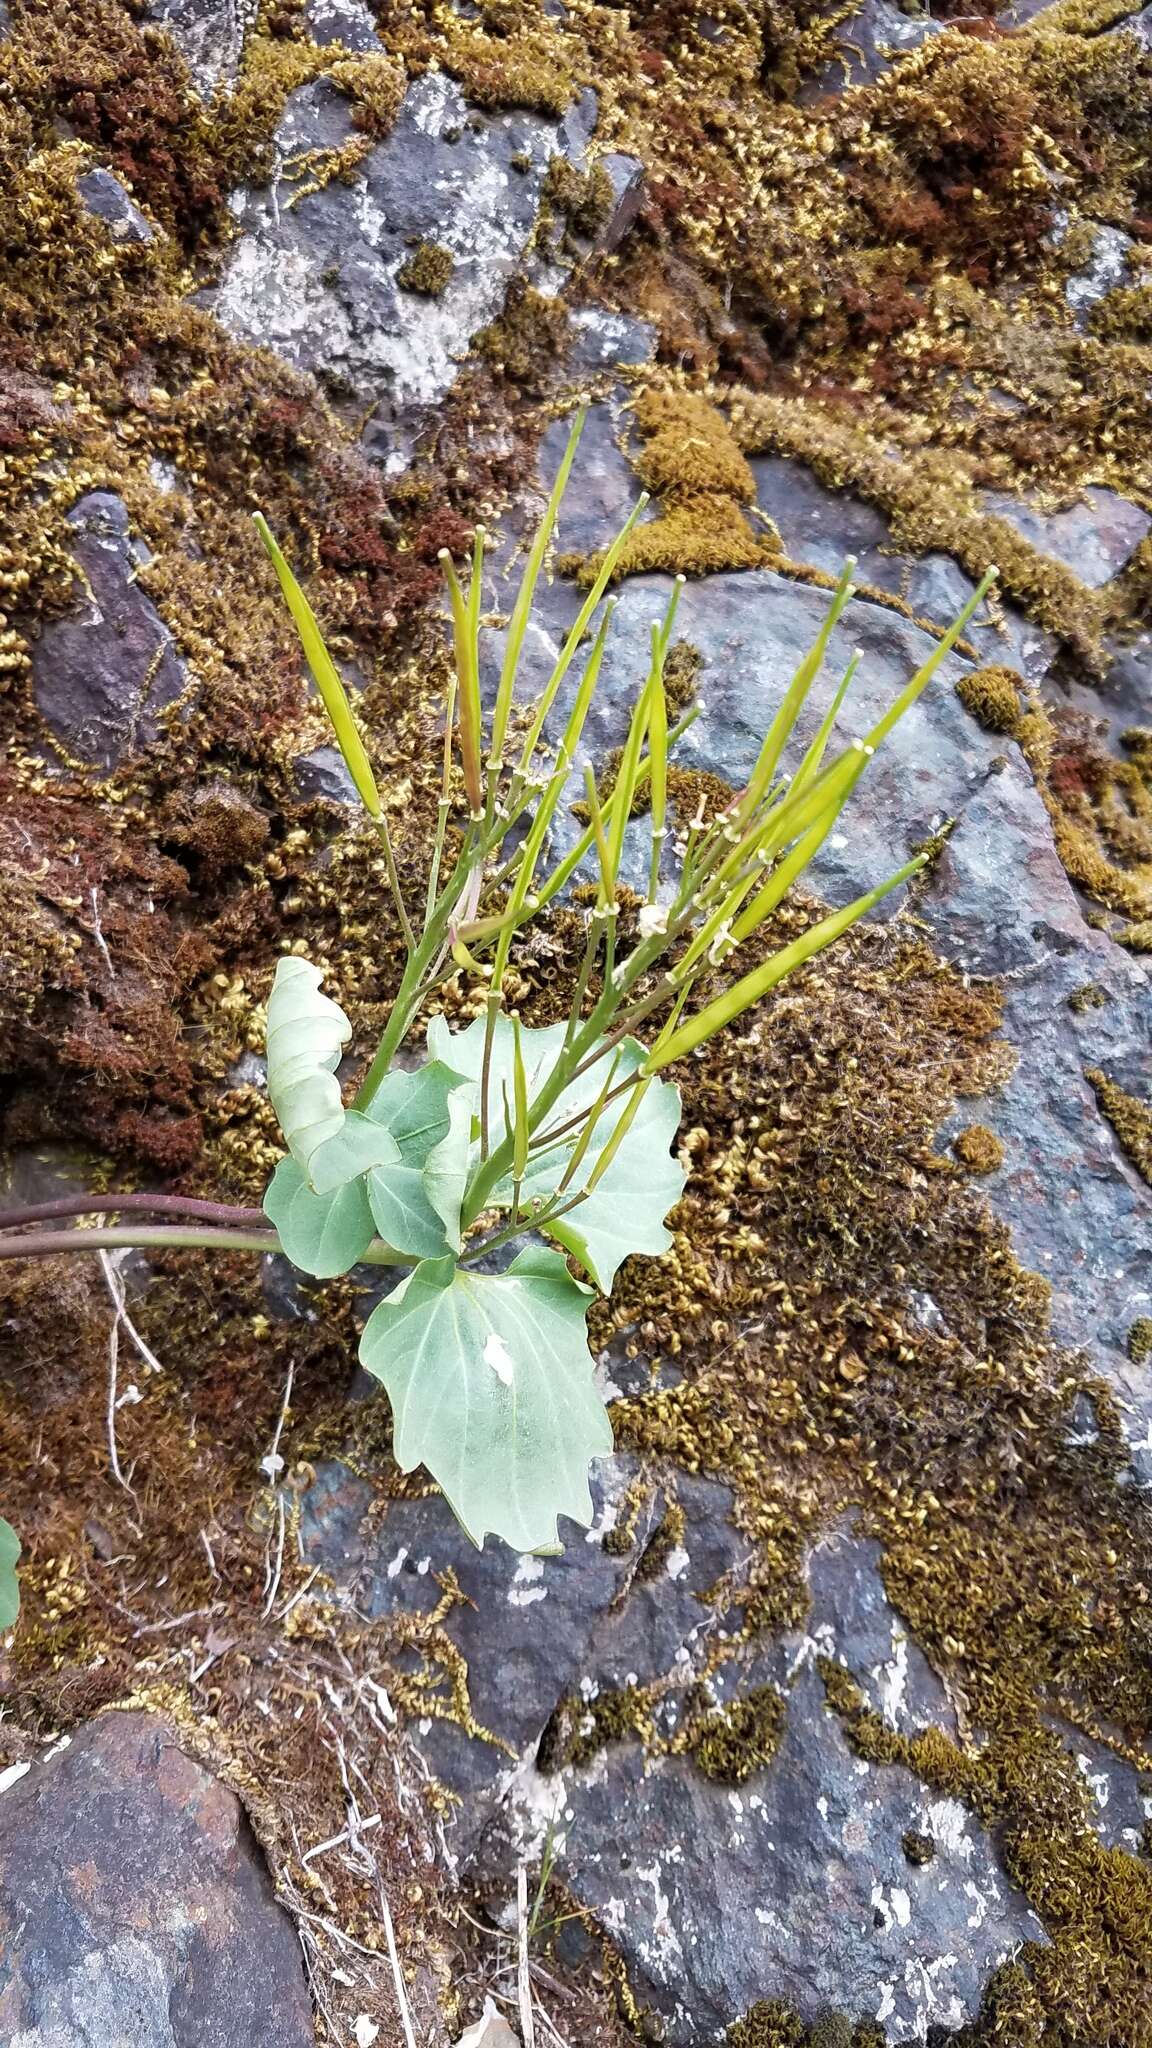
point(307, 1033)
point(428, 1114)
point(359, 1145)
point(322, 1234)
point(491, 1386)
point(9, 1584)
point(625, 1212)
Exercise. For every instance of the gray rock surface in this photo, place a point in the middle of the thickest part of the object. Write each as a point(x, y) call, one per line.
point(135, 1908)
point(209, 35)
point(105, 196)
point(102, 673)
point(316, 280)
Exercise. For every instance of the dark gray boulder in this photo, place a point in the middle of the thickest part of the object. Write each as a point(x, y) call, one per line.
point(135, 1908)
point(103, 672)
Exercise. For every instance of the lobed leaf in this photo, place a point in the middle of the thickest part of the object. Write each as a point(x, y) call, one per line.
point(322, 1234)
point(624, 1214)
point(491, 1386)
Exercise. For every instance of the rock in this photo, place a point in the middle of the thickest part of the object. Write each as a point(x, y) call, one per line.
point(626, 174)
point(323, 773)
point(135, 1908)
point(102, 673)
point(316, 280)
point(869, 40)
point(350, 23)
point(1104, 270)
point(209, 35)
point(527, 1625)
point(105, 196)
point(795, 1884)
point(1095, 537)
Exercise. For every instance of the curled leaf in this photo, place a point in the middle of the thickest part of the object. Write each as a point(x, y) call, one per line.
point(307, 1033)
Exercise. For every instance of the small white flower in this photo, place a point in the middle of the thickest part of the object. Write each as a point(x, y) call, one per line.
point(273, 1465)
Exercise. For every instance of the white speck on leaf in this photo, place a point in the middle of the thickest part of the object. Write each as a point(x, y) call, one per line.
point(498, 1356)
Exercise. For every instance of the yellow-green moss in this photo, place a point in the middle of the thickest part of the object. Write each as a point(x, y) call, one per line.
point(1089, 996)
point(428, 270)
point(979, 1149)
point(1137, 938)
point(1140, 1340)
point(584, 199)
point(993, 696)
point(690, 461)
point(1130, 1118)
point(524, 342)
point(733, 1742)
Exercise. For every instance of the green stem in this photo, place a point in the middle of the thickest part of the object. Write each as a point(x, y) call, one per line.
point(36, 1244)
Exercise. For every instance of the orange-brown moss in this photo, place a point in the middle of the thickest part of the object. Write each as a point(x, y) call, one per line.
point(1130, 1118)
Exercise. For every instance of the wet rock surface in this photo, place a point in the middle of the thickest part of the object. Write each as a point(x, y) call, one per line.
point(135, 1907)
point(104, 672)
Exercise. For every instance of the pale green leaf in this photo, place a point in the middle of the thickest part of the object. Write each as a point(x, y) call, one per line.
point(446, 1171)
point(414, 1108)
point(358, 1146)
point(491, 1386)
point(625, 1213)
point(321, 1234)
point(307, 1033)
point(9, 1584)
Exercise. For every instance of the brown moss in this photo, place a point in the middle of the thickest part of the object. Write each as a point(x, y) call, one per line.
point(1140, 1340)
point(992, 695)
point(428, 270)
point(979, 1149)
point(1090, 996)
point(732, 1743)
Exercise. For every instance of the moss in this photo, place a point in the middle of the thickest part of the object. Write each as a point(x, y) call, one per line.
point(1089, 996)
point(979, 1149)
point(733, 1742)
point(681, 675)
point(1124, 314)
point(832, 2030)
point(918, 1848)
point(992, 695)
point(767, 2025)
point(428, 270)
point(1140, 1340)
point(690, 460)
point(525, 341)
point(1137, 938)
point(583, 199)
point(1130, 1118)
point(666, 1538)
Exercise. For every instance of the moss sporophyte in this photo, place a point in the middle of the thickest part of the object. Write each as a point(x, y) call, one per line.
point(565, 1131)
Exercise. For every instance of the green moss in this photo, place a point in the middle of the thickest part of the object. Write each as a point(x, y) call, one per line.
point(993, 696)
point(1136, 938)
point(428, 270)
point(689, 460)
point(1090, 996)
point(732, 1743)
point(979, 1149)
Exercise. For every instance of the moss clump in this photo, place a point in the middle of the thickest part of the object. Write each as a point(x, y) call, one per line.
point(992, 695)
point(1136, 938)
point(1130, 1118)
point(979, 1149)
point(690, 460)
point(918, 1849)
point(428, 270)
point(681, 674)
point(768, 2024)
point(1140, 1340)
point(733, 1742)
point(1090, 996)
point(584, 199)
point(523, 344)
point(1124, 314)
